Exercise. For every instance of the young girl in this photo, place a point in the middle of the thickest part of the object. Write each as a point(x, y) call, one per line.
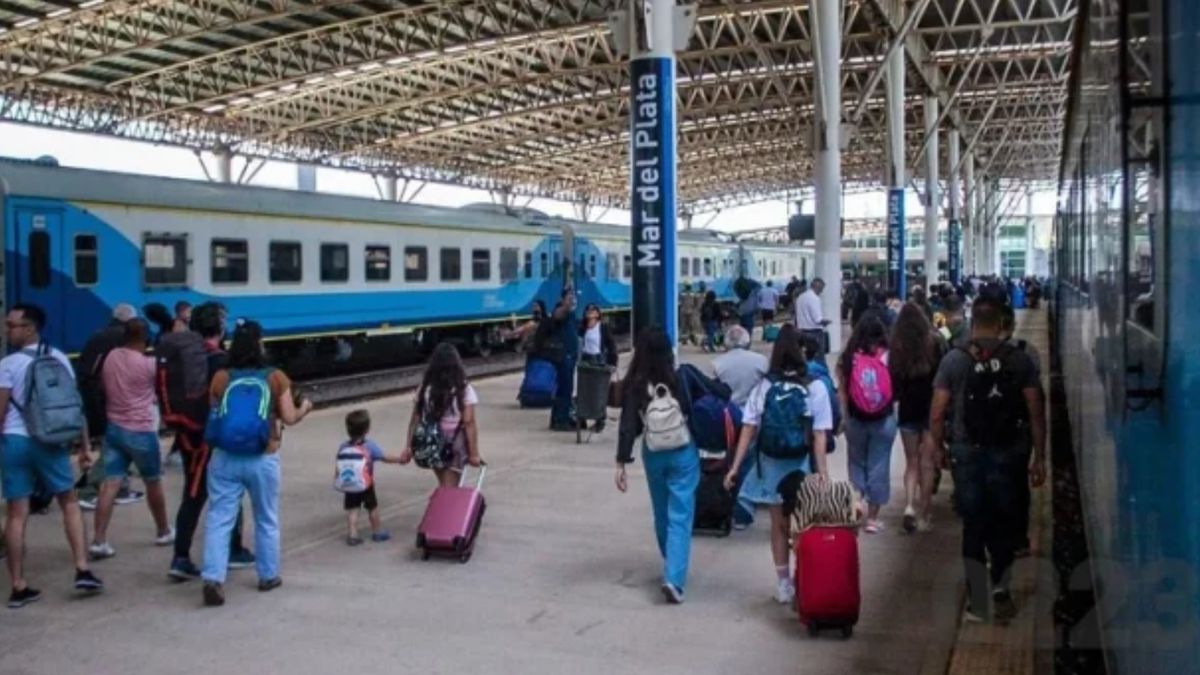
point(446, 396)
point(913, 362)
point(869, 436)
point(788, 367)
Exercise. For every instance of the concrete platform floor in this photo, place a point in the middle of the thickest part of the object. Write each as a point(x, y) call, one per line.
point(564, 580)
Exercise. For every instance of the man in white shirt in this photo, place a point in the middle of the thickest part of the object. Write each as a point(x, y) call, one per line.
point(24, 461)
point(808, 313)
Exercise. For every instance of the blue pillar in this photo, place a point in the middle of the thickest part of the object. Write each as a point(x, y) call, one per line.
point(897, 280)
point(953, 252)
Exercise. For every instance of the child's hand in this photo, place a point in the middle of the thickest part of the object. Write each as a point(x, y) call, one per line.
point(474, 460)
point(406, 456)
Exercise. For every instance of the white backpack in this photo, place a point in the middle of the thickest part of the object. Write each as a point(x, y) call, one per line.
point(666, 428)
point(350, 472)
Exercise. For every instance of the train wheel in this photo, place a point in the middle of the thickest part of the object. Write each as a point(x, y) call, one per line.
point(481, 345)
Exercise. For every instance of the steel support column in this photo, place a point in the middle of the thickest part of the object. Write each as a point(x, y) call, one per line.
point(390, 193)
point(932, 192)
point(652, 172)
point(954, 233)
point(224, 160)
point(896, 173)
point(828, 161)
point(971, 226)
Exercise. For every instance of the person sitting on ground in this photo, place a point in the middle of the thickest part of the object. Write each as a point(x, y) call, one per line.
point(358, 425)
point(784, 418)
point(128, 377)
point(990, 394)
point(207, 320)
point(672, 472)
point(25, 460)
point(236, 470)
point(446, 400)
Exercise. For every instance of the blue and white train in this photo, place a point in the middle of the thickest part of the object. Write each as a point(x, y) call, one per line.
point(334, 280)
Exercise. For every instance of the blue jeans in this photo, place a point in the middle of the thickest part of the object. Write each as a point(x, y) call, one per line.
point(710, 333)
point(987, 494)
point(123, 447)
point(561, 412)
point(869, 457)
point(747, 321)
point(673, 477)
point(228, 477)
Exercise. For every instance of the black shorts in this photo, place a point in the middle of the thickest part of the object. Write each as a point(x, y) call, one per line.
point(768, 315)
point(355, 500)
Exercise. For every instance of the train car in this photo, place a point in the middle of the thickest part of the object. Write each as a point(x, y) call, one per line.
point(1127, 357)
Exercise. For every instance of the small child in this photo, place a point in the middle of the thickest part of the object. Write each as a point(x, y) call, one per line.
point(358, 425)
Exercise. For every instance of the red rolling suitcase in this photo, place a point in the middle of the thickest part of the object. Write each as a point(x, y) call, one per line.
point(452, 519)
point(827, 588)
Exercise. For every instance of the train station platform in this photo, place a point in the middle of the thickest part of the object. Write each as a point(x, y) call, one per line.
point(564, 580)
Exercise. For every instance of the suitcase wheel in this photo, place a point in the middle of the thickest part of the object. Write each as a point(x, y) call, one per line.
point(458, 544)
point(813, 629)
point(464, 557)
point(847, 631)
point(425, 554)
point(420, 540)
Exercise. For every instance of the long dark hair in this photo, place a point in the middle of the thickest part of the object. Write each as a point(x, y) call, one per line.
point(653, 363)
point(246, 350)
point(788, 361)
point(445, 382)
point(912, 344)
point(869, 335)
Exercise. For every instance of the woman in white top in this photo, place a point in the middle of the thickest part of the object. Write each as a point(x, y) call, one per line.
point(788, 370)
point(445, 395)
point(598, 347)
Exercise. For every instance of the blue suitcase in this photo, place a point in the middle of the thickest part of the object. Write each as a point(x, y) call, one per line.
point(539, 385)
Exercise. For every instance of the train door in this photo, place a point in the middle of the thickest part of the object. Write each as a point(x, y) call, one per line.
point(39, 252)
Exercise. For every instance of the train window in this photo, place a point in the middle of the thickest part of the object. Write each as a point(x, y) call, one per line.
point(286, 262)
point(164, 260)
point(612, 266)
point(544, 268)
point(683, 267)
point(87, 260)
point(335, 262)
point(416, 263)
point(451, 264)
point(230, 262)
point(39, 259)
point(592, 266)
point(528, 264)
point(378, 263)
point(510, 260)
point(695, 267)
point(627, 266)
point(708, 267)
point(481, 264)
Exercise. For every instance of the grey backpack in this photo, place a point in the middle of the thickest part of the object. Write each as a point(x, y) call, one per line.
point(53, 409)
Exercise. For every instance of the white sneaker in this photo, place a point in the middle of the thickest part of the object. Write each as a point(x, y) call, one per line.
point(785, 592)
point(101, 550)
point(166, 539)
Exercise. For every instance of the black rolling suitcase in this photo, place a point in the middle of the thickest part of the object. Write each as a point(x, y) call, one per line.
point(714, 504)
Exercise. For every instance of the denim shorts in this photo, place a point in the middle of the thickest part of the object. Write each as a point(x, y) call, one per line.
point(24, 461)
point(123, 447)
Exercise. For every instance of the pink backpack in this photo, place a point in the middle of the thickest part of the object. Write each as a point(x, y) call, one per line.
point(870, 388)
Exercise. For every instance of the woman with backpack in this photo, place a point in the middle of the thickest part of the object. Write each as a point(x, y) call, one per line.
point(784, 418)
point(865, 390)
point(245, 433)
point(442, 434)
point(913, 361)
point(651, 408)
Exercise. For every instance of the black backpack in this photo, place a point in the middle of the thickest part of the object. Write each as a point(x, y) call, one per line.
point(994, 410)
point(182, 379)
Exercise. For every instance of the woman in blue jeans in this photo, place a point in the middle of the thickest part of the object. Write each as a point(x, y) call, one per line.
point(869, 434)
point(231, 474)
point(672, 475)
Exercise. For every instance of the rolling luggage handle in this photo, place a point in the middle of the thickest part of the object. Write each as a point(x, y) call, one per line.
point(462, 477)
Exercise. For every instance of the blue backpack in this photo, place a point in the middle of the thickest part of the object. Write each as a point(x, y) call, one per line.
point(818, 371)
point(786, 421)
point(241, 423)
point(715, 423)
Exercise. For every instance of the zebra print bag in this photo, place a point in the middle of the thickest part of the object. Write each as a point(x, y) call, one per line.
point(835, 503)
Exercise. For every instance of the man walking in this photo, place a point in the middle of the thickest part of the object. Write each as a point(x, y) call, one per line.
point(24, 460)
point(809, 319)
point(990, 391)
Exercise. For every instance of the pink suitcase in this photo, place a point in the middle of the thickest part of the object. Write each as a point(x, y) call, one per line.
point(452, 519)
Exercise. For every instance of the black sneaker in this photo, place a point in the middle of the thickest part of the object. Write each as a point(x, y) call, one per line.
point(672, 594)
point(1003, 607)
point(86, 581)
point(270, 584)
point(214, 595)
point(183, 569)
point(18, 599)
